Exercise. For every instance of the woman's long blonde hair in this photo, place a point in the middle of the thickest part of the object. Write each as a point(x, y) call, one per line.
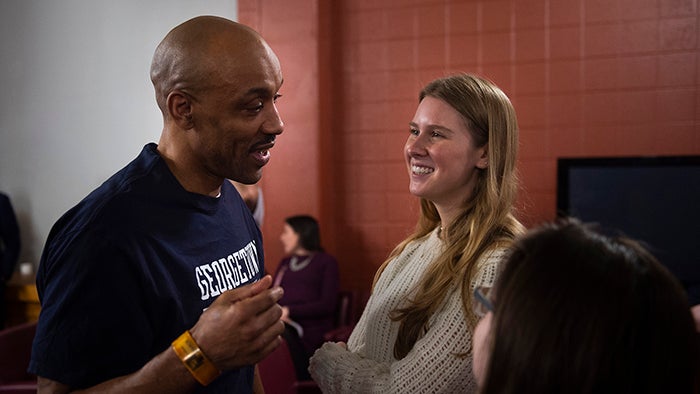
point(486, 221)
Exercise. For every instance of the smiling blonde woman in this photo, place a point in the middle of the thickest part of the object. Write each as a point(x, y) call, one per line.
point(415, 333)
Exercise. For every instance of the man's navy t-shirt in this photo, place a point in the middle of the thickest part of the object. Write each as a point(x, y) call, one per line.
point(134, 265)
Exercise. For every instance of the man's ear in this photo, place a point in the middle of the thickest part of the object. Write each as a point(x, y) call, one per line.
point(483, 162)
point(179, 106)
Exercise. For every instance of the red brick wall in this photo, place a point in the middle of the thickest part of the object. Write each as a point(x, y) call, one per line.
point(587, 78)
point(291, 182)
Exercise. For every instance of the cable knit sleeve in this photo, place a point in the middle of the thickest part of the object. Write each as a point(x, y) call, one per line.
point(440, 362)
point(431, 366)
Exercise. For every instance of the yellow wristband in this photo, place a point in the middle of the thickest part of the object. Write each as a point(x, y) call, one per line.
point(195, 361)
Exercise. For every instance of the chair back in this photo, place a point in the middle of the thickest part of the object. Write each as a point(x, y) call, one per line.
point(343, 311)
point(277, 371)
point(351, 304)
point(15, 352)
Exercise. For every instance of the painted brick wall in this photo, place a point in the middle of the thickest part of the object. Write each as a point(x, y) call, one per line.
point(587, 78)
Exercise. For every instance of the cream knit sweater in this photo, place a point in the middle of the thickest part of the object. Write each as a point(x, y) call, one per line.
point(432, 366)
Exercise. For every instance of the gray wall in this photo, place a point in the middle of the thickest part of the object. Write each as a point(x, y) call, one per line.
point(76, 102)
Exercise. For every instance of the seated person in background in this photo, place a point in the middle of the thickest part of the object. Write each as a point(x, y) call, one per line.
point(253, 197)
point(577, 312)
point(309, 277)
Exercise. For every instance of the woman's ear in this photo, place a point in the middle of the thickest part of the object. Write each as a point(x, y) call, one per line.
point(483, 162)
point(179, 105)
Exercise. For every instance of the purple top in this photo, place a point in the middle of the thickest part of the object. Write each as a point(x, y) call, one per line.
point(311, 294)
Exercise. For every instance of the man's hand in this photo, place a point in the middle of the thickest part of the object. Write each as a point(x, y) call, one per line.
point(242, 326)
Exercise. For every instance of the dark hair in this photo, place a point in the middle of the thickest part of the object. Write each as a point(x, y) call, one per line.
point(307, 228)
point(576, 311)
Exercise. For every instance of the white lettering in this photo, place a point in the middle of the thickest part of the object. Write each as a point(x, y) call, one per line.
point(228, 272)
point(216, 271)
point(238, 258)
point(226, 268)
point(206, 269)
point(236, 278)
point(201, 283)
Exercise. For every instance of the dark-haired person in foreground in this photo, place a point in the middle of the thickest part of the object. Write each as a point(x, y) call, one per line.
point(578, 312)
point(154, 283)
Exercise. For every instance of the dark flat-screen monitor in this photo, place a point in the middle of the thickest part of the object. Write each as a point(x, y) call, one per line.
point(652, 199)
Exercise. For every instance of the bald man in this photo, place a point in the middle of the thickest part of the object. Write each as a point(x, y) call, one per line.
point(155, 281)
